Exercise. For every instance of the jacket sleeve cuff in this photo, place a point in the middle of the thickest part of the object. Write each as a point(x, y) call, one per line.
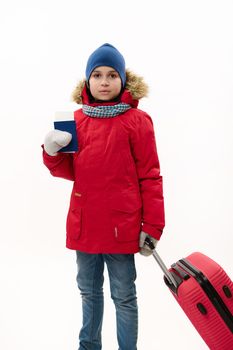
point(152, 231)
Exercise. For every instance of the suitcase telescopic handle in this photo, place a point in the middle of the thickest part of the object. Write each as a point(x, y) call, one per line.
point(161, 264)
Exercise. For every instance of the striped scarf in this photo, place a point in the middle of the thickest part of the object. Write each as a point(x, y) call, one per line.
point(105, 111)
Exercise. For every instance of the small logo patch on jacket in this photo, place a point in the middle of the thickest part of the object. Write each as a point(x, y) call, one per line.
point(116, 232)
point(77, 194)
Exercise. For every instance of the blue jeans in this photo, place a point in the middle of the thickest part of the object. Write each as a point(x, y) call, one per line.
point(90, 279)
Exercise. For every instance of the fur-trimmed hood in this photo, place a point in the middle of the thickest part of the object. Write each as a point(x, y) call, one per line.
point(135, 85)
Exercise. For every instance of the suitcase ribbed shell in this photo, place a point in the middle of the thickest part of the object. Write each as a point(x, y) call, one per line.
point(210, 326)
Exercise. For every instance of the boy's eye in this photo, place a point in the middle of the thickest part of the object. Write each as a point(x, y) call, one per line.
point(98, 75)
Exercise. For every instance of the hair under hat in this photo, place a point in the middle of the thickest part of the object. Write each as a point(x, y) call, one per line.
point(106, 55)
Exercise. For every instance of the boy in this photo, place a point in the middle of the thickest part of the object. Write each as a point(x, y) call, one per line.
point(117, 196)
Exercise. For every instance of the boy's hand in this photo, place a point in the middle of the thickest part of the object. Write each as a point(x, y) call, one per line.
point(145, 250)
point(55, 140)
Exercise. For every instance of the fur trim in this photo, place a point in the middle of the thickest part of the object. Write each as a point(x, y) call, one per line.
point(134, 84)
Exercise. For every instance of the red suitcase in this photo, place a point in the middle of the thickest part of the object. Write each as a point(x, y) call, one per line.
point(205, 293)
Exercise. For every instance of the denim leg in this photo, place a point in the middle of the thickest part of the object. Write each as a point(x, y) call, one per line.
point(90, 282)
point(122, 275)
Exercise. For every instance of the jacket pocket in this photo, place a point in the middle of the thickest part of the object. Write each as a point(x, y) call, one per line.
point(74, 223)
point(126, 220)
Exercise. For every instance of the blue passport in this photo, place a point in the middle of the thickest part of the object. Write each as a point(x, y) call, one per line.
point(69, 126)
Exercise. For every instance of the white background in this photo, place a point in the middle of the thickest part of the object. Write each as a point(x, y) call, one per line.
point(184, 50)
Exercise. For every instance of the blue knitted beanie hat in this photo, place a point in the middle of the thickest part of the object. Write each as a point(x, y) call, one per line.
point(106, 55)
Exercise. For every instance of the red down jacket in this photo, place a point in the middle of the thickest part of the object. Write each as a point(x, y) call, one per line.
point(117, 190)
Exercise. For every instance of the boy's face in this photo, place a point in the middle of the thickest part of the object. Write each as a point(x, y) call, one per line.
point(105, 83)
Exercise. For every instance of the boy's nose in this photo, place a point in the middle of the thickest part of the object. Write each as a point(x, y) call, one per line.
point(104, 81)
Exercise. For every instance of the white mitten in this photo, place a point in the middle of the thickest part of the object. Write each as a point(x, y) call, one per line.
point(145, 250)
point(55, 140)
